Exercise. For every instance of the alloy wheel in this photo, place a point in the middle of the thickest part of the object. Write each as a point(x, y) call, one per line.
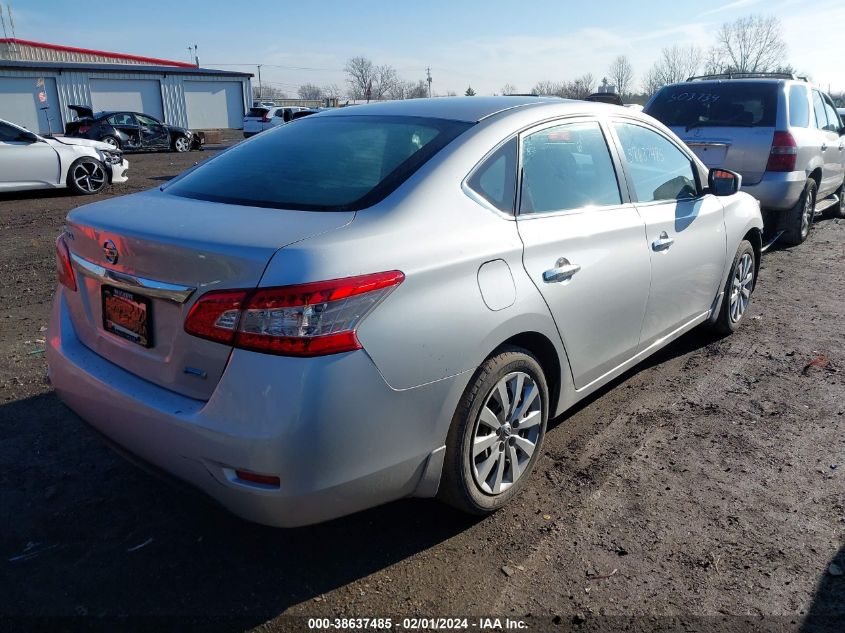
point(182, 144)
point(506, 433)
point(89, 176)
point(741, 287)
point(110, 141)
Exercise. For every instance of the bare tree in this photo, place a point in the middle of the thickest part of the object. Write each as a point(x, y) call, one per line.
point(268, 93)
point(332, 91)
point(548, 88)
point(751, 44)
point(675, 64)
point(359, 76)
point(509, 89)
point(417, 90)
point(621, 74)
point(310, 91)
point(385, 80)
point(581, 87)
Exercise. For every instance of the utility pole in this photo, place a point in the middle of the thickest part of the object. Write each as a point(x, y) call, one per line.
point(428, 79)
point(260, 91)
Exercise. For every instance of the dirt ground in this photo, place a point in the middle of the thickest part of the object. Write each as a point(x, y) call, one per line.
point(701, 492)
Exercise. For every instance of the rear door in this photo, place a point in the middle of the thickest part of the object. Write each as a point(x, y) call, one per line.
point(684, 228)
point(25, 163)
point(127, 127)
point(725, 123)
point(832, 147)
point(584, 245)
point(153, 134)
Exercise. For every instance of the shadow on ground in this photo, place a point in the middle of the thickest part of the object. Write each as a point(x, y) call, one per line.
point(89, 534)
point(827, 611)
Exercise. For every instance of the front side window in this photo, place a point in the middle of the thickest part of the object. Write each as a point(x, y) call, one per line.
point(121, 118)
point(799, 107)
point(149, 121)
point(495, 178)
point(323, 163)
point(567, 167)
point(658, 169)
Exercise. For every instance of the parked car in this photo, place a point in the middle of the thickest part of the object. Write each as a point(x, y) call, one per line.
point(30, 161)
point(398, 306)
point(605, 97)
point(266, 104)
point(131, 131)
point(781, 133)
point(262, 118)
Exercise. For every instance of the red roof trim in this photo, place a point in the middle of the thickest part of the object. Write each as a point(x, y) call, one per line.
point(88, 51)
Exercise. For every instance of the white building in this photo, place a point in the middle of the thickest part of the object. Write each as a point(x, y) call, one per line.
point(39, 81)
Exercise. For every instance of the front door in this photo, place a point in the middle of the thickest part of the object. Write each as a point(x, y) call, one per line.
point(25, 163)
point(153, 134)
point(583, 245)
point(685, 229)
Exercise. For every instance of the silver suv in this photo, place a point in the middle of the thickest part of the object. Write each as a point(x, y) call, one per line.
point(779, 132)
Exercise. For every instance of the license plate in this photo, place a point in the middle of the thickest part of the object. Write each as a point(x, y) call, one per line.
point(128, 315)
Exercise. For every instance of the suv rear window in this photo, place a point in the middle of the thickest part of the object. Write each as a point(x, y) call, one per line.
point(727, 104)
point(322, 163)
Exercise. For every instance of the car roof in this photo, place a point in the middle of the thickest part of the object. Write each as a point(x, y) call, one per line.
point(467, 109)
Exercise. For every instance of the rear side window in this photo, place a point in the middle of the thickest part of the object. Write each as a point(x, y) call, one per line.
point(727, 104)
point(567, 167)
point(833, 119)
point(323, 163)
point(495, 178)
point(799, 107)
point(658, 169)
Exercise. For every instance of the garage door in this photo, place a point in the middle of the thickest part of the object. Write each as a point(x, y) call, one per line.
point(135, 95)
point(214, 104)
point(19, 104)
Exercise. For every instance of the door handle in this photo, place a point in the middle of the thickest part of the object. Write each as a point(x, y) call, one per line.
point(824, 146)
point(562, 271)
point(663, 242)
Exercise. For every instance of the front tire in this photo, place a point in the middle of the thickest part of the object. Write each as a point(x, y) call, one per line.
point(838, 210)
point(182, 144)
point(87, 176)
point(738, 290)
point(497, 433)
point(799, 219)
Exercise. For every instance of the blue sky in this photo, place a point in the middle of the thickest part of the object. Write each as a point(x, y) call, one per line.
point(480, 43)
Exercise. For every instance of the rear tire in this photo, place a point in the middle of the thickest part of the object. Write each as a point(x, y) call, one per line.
point(738, 289)
point(497, 433)
point(799, 219)
point(87, 176)
point(111, 140)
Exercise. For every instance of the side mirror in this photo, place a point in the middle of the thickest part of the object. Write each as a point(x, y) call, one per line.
point(723, 182)
point(27, 137)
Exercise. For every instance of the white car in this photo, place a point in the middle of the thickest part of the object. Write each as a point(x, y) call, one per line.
point(30, 161)
point(262, 118)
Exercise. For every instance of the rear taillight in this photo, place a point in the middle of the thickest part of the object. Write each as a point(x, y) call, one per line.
point(265, 119)
point(783, 154)
point(82, 129)
point(64, 269)
point(311, 319)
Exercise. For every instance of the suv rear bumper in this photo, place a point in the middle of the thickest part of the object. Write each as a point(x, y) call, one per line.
point(778, 190)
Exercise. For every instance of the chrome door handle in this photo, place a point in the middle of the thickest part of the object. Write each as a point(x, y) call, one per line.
point(663, 242)
point(562, 271)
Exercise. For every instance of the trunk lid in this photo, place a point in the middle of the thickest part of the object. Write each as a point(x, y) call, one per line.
point(176, 247)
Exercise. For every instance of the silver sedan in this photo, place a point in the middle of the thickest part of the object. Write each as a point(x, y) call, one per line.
point(391, 300)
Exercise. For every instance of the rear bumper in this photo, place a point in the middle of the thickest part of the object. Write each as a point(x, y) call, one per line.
point(778, 190)
point(338, 437)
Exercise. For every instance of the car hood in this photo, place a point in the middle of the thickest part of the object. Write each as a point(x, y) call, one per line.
point(84, 142)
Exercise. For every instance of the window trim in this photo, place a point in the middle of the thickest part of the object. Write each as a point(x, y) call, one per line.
point(556, 122)
point(701, 190)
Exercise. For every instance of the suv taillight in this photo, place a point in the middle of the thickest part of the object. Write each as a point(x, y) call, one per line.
point(312, 319)
point(64, 269)
point(783, 154)
point(265, 119)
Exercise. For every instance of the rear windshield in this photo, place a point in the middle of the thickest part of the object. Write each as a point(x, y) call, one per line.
point(258, 112)
point(320, 163)
point(728, 104)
